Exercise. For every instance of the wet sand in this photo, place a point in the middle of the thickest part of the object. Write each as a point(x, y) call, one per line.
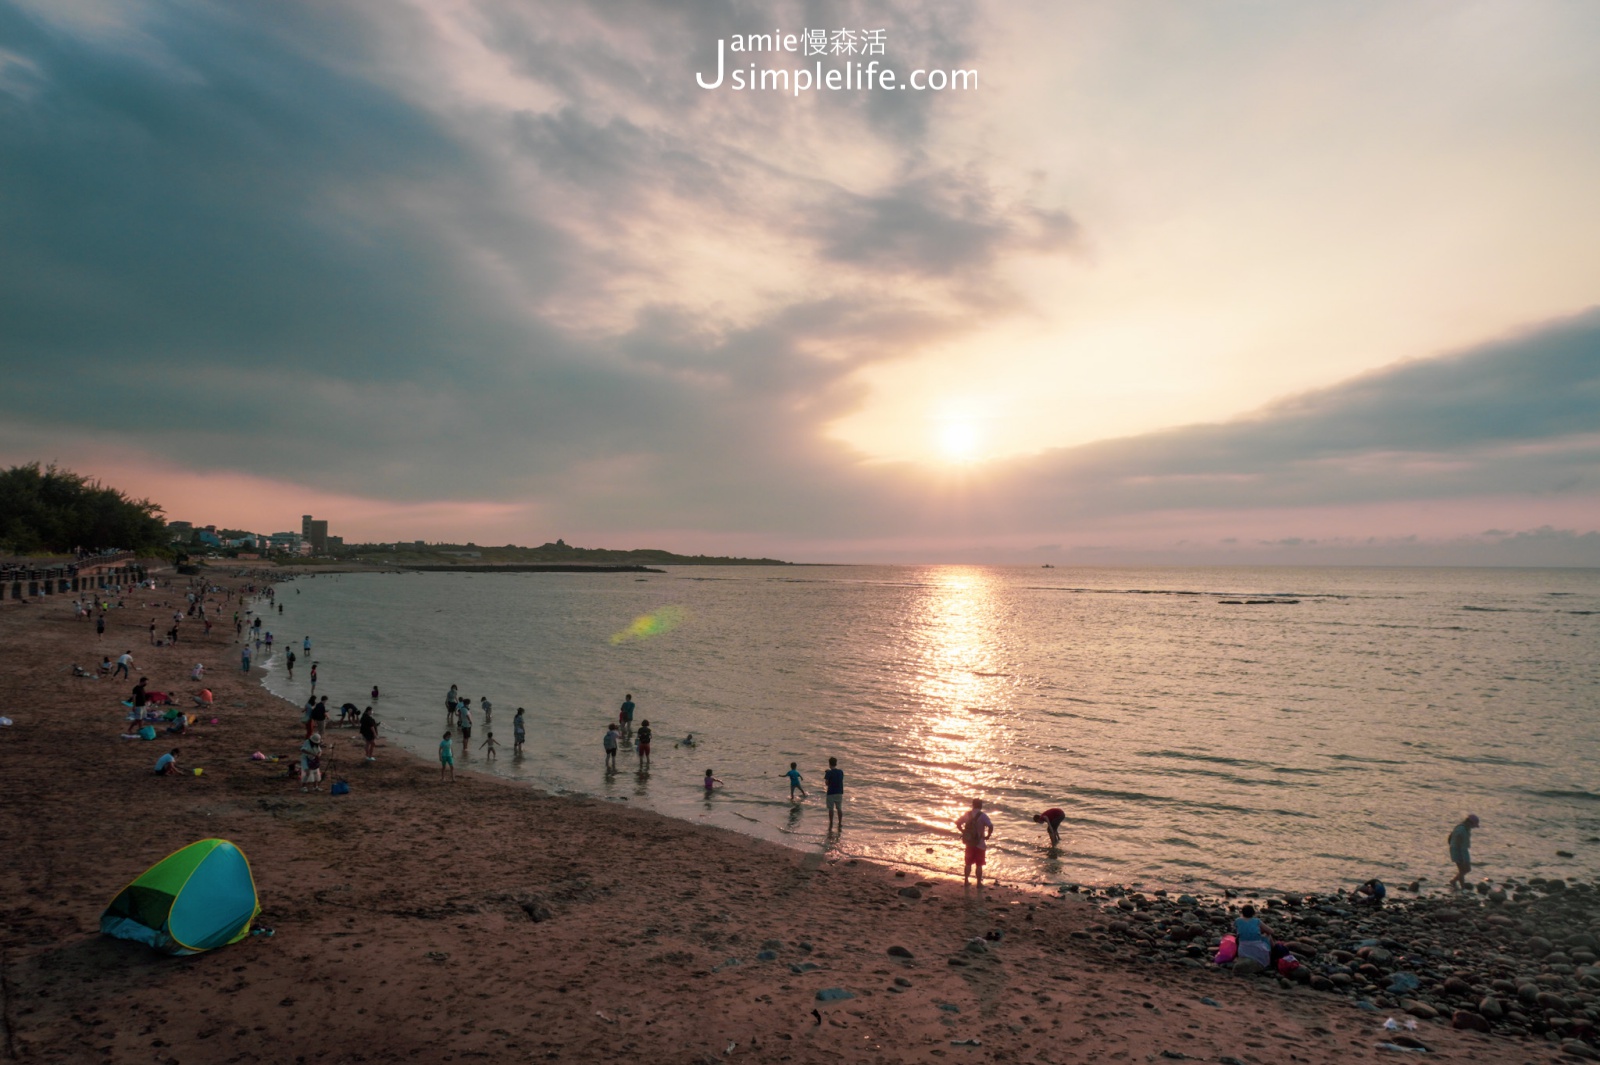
point(481, 920)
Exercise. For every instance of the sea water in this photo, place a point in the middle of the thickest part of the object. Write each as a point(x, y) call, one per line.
point(1331, 731)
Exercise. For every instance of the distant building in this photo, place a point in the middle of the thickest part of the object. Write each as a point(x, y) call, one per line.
point(286, 542)
point(335, 543)
point(180, 531)
point(315, 533)
point(209, 537)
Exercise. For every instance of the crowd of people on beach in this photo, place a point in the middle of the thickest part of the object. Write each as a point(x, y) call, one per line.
point(201, 601)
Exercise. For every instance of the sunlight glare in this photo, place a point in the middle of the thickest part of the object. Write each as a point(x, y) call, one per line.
point(958, 441)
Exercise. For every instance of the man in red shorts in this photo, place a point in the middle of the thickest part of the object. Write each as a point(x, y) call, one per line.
point(976, 828)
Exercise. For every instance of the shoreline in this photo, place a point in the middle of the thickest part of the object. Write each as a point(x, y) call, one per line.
point(485, 918)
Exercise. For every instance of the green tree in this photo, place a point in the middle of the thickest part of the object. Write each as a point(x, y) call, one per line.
point(51, 510)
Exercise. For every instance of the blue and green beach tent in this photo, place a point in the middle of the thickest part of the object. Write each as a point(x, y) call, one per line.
point(200, 897)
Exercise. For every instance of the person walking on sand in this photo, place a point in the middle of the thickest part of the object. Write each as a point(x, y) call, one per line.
point(152, 632)
point(490, 745)
point(833, 784)
point(124, 663)
point(643, 748)
point(976, 828)
point(100, 625)
point(519, 733)
point(1460, 840)
point(369, 732)
point(625, 714)
point(1051, 820)
point(794, 781)
point(611, 742)
point(447, 758)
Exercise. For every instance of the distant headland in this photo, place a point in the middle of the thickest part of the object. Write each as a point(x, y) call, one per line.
point(557, 557)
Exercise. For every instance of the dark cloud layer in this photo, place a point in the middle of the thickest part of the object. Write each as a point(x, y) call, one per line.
point(268, 253)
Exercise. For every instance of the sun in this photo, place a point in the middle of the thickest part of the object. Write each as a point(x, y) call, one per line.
point(958, 441)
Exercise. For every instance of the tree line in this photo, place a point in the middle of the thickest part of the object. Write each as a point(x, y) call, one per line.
point(48, 510)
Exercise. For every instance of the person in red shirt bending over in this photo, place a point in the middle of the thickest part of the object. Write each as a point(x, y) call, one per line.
point(1051, 819)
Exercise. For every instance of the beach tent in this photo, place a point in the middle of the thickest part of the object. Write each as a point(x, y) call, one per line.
point(200, 897)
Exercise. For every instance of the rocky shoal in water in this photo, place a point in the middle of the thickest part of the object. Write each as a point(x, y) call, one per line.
point(1514, 959)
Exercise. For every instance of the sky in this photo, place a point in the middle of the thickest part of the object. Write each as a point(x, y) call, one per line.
point(1169, 282)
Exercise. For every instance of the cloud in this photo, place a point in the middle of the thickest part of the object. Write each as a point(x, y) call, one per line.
point(511, 260)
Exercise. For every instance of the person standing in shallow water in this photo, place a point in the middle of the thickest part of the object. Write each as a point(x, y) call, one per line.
point(643, 748)
point(625, 714)
point(833, 781)
point(611, 742)
point(1460, 840)
point(519, 733)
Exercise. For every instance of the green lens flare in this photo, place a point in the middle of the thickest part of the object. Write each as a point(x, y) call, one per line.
point(652, 624)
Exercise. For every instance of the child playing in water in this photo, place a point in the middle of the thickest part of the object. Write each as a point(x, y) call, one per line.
point(794, 781)
point(711, 782)
point(489, 744)
point(447, 758)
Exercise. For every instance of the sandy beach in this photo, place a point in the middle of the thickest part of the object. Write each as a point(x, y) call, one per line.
point(414, 920)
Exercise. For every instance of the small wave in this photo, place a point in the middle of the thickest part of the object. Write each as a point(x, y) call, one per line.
point(1217, 759)
point(1586, 796)
point(1491, 759)
point(1372, 761)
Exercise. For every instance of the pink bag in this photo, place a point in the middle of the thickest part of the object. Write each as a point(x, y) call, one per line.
point(1228, 951)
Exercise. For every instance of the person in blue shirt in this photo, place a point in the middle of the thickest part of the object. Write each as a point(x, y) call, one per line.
point(167, 764)
point(794, 781)
point(834, 781)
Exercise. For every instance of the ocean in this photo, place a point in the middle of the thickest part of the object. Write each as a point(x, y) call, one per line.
point(1202, 728)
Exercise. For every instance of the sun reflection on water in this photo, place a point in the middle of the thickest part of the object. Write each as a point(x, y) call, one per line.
point(957, 644)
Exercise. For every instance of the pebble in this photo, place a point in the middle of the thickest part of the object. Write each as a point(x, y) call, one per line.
point(1481, 958)
point(834, 994)
point(910, 892)
point(900, 952)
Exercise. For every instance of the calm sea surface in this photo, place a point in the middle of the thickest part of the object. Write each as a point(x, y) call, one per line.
point(1192, 743)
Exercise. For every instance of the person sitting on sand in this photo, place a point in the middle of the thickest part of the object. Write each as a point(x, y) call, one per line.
point(205, 698)
point(180, 724)
point(198, 672)
point(1460, 840)
point(1372, 891)
point(105, 664)
point(1253, 938)
point(167, 764)
point(1051, 820)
